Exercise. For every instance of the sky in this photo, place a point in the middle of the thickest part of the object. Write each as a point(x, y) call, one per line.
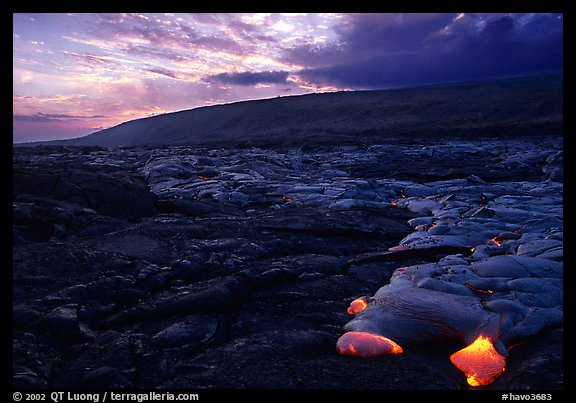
point(75, 74)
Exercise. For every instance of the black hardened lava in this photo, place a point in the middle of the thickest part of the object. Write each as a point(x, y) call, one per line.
point(117, 286)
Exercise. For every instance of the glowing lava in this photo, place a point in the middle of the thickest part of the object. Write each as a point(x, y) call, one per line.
point(479, 361)
point(479, 290)
point(497, 240)
point(364, 344)
point(357, 305)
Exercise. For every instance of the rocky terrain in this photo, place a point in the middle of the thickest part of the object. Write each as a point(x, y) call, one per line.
point(227, 268)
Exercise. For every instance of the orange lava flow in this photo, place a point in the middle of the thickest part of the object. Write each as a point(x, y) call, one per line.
point(479, 290)
point(357, 305)
point(364, 344)
point(479, 361)
point(497, 240)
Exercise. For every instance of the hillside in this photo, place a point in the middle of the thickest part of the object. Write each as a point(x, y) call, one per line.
point(516, 106)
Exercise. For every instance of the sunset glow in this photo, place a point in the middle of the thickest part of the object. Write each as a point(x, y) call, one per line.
point(74, 74)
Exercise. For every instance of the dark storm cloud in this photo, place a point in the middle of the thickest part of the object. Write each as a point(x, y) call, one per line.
point(251, 78)
point(377, 50)
point(362, 36)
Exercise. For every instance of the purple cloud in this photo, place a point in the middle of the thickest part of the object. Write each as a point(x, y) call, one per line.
point(156, 53)
point(51, 117)
point(88, 58)
point(251, 78)
point(164, 72)
point(378, 51)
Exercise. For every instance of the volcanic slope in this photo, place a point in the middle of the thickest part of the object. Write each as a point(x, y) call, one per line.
point(525, 105)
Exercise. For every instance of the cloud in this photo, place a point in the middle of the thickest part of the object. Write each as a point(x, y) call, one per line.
point(51, 117)
point(251, 78)
point(381, 50)
point(155, 53)
point(164, 72)
point(88, 58)
point(31, 118)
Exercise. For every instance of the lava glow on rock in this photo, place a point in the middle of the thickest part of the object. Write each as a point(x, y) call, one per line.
point(479, 361)
point(365, 345)
point(357, 305)
point(497, 240)
point(479, 290)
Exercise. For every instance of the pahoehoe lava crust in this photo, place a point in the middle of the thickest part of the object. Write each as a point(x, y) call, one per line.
point(190, 267)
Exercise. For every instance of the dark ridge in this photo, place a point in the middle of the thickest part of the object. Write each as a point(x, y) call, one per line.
point(507, 107)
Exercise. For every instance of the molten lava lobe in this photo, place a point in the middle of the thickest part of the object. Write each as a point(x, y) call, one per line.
point(357, 305)
point(364, 344)
point(479, 361)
